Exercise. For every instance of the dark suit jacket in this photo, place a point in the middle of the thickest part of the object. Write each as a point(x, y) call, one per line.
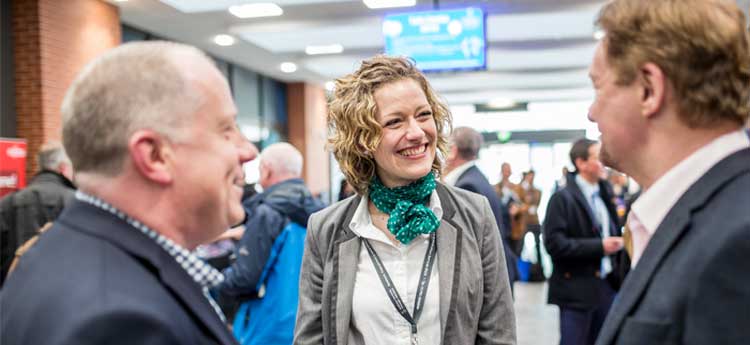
point(94, 279)
point(23, 213)
point(474, 181)
point(692, 283)
point(575, 244)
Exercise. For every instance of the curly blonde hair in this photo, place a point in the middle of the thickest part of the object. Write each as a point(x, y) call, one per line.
point(354, 132)
point(701, 45)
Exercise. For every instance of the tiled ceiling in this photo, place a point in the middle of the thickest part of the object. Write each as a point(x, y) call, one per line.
point(537, 49)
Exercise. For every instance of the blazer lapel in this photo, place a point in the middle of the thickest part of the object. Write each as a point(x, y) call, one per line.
point(347, 245)
point(447, 239)
point(674, 225)
point(448, 245)
point(104, 225)
point(192, 296)
point(347, 271)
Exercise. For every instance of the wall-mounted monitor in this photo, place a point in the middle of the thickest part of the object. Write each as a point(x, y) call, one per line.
point(438, 40)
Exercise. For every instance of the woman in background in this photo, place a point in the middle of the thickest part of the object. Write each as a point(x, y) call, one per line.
point(408, 260)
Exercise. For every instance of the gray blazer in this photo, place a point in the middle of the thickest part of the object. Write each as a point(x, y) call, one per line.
point(692, 286)
point(476, 306)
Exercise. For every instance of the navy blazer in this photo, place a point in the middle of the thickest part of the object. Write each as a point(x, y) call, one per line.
point(575, 244)
point(474, 181)
point(94, 279)
point(692, 283)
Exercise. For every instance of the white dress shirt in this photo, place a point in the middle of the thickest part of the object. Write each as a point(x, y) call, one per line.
point(591, 193)
point(654, 204)
point(375, 321)
point(452, 177)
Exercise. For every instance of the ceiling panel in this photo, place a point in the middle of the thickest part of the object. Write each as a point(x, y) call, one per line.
point(537, 50)
point(194, 6)
point(287, 37)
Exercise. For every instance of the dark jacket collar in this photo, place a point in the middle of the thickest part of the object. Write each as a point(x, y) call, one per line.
point(96, 222)
point(671, 229)
point(49, 176)
point(290, 198)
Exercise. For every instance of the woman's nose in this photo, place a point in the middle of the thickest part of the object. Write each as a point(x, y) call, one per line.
point(414, 130)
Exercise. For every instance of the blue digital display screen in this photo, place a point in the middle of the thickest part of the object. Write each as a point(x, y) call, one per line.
point(438, 40)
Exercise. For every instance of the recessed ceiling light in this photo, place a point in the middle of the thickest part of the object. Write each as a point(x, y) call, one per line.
point(288, 67)
point(501, 103)
point(389, 3)
point(224, 40)
point(324, 49)
point(599, 34)
point(264, 9)
point(330, 86)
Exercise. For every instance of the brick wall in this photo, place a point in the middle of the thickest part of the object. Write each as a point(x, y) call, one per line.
point(52, 41)
point(306, 111)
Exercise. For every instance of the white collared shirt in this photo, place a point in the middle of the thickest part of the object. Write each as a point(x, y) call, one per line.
point(653, 205)
point(452, 177)
point(597, 206)
point(374, 320)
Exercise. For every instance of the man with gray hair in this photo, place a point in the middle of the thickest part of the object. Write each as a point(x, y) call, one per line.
point(463, 173)
point(269, 254)
point(23, 213)
point(150, 129)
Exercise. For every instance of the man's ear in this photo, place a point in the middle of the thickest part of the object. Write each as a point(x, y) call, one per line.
point(151, 154)
point(264, 171)
point(653, 89)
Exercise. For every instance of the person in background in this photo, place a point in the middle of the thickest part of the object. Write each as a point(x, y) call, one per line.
point(531, 197)
point(620, 193)
point(583, 238)
point(462, 172)
point(508, 193)
point(562, 181)
point(431, 243)
point(24, 212)
point(268, 256)
point(150, 128)
point(682, 140)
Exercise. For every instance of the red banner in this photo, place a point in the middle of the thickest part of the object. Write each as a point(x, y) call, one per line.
point(12, 165)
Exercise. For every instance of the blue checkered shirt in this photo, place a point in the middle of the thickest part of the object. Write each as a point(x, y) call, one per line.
point(202, 273)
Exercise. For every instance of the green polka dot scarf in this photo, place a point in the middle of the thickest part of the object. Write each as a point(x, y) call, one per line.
point(409, 216)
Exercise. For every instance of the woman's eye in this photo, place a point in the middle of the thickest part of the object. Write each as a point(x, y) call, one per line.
point(426, 114)
point(391, 123)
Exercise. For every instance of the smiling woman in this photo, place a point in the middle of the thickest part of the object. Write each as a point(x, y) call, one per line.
point(407, 144)
point(369, 272)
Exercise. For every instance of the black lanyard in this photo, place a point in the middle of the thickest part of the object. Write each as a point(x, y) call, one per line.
point(390, 289)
